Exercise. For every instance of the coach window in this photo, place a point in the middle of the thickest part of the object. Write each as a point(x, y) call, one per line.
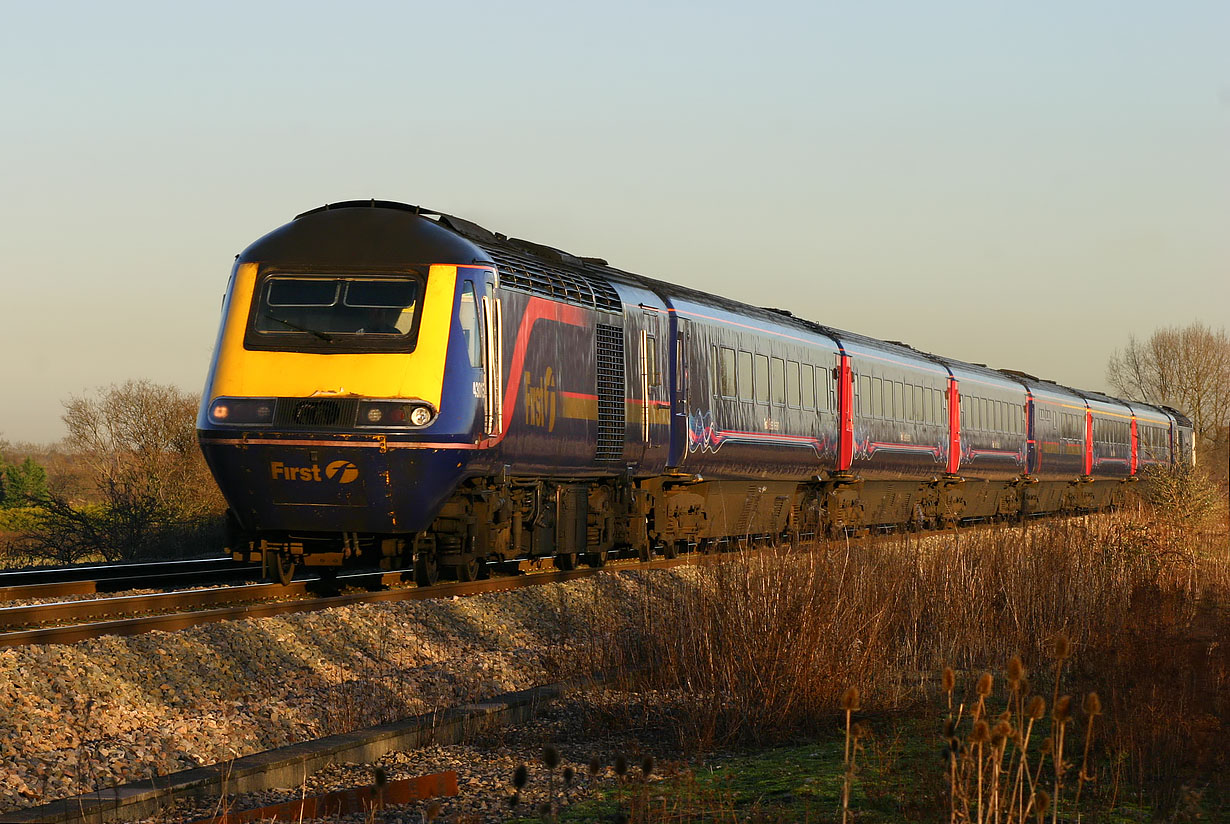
point(762, 379)
point(726, 372)
point(808, 380)
point(907, 398)
point(777, 381)
point(745, 375)
point(794, 393)
point(877, 397)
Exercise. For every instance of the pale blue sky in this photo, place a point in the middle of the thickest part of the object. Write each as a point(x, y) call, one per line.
point(1022, 184)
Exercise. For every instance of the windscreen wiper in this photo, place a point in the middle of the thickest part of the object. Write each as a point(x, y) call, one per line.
point(298, 328)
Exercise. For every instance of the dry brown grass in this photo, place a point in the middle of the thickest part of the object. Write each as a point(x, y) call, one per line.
point(767, 644)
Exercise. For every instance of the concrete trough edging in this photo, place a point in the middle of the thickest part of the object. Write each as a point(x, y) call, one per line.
point(289, 766)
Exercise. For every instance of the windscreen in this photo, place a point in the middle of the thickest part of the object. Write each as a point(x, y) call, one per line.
point(349, 310)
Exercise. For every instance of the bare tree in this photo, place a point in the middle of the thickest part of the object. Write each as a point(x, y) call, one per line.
point(142, 436)
point(1187, 368)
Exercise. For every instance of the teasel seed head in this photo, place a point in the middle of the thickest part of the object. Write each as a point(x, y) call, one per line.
point(380, 777)
point(1043, 802)
point(849, 700)
point(1063, 709)
point(646, 766)
point(520, 776)
point(950, 727)
point(949, 680)
point(621, 765)
point(1016, 671)
point(859, 730)
point(1061, 646)
point(1048, 746)
point(568, 774)
point(433, 811)
point(514, 799)
point(981, 733)
point(984, 684)
point(550, 756)
point(594, 765)
point(1093, 704)
point(1036, 708)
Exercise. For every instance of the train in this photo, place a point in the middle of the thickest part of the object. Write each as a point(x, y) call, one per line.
point(397, 387)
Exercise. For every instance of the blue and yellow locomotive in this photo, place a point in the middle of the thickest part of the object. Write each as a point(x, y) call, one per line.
point(397, 386)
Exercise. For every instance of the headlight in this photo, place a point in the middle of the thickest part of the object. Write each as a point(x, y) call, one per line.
point(395, 414)
point(241, 411)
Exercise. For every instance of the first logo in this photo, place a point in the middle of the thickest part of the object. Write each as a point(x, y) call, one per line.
point(342, 471)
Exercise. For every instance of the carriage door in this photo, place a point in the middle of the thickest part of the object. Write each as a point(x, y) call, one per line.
point(649, 404)
point(678, 390)
point(492, 354)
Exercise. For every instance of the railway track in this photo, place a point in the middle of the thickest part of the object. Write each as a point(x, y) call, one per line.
point(71, 621)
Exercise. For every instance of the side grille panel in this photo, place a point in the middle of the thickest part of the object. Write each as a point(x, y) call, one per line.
point(610, 393)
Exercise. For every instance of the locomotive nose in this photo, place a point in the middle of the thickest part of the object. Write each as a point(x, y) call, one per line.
point(338, 399)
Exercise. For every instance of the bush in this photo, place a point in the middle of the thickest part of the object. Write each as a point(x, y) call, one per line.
point(153, 496)
point(21, 482)
point(1185, 494)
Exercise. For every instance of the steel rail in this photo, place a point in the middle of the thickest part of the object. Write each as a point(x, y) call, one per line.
point(103, 572)
point(62, 589)
point(27, 615)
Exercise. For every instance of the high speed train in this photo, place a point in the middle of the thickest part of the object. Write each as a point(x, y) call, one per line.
point(401, 387)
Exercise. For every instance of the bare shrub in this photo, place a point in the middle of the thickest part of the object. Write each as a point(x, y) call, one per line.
point(152, 494)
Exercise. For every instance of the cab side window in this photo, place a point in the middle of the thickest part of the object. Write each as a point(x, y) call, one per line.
point(467, 315)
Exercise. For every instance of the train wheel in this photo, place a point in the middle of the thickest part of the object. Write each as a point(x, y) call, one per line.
point(596, 559)
point(566, 561)
point(283, 567)
point(467, 570)
point(670, 550)
point(426, 569)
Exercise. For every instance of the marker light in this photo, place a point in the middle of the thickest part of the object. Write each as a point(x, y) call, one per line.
point(394, 414)
point(241, 411)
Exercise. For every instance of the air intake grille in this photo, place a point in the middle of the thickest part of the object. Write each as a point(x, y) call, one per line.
point(610, 393)
point(316, 412)
point(525, 274)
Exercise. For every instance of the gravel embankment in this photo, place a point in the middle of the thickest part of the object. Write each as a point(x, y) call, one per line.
point(78, 717)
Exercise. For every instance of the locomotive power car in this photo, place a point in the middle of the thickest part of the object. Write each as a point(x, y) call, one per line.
point(401, 387)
